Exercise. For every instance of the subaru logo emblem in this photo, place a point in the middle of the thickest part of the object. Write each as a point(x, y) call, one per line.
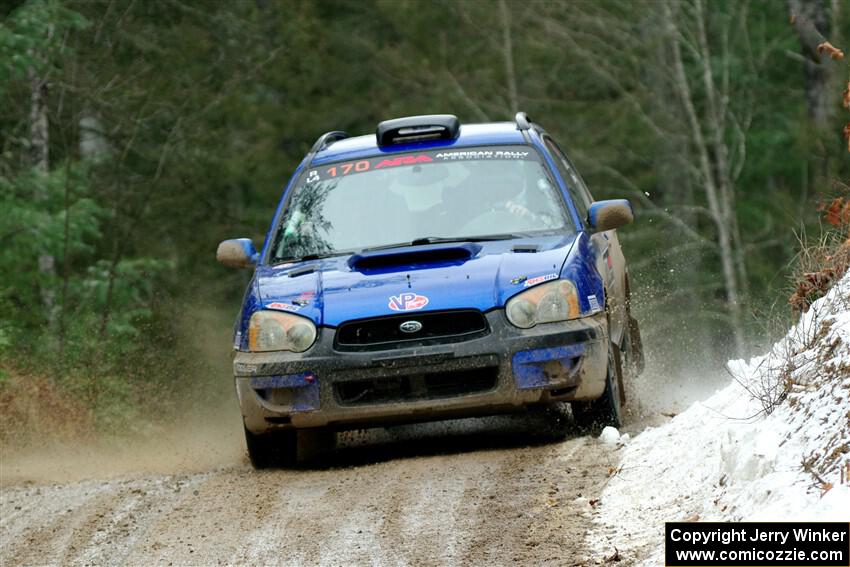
point(410, 327)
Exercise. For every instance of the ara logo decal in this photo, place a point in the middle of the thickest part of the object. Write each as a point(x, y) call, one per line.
point(404, 160)
point(283, 306)
point(539, 279)
point(407, 302)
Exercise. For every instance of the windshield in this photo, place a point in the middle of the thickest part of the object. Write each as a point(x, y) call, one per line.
point(437, 195)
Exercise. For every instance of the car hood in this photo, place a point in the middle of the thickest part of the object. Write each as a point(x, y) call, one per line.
point(467, 276)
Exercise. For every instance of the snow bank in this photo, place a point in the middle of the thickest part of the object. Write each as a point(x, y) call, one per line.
point(769, 446)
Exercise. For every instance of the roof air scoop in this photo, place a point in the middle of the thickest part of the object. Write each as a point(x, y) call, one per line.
point(418, 129)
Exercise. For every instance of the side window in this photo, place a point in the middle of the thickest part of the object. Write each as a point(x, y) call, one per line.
point(578, 190)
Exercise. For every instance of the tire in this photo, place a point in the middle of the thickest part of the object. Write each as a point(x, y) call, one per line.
point(288, 448)
point(313, 444)
point(607, 409)
point(274, 449)
point(556, 423)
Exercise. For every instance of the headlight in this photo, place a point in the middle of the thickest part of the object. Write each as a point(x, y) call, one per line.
point(273, 330)
point(553, 301)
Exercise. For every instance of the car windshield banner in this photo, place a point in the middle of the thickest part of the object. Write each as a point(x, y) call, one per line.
point(494, 153)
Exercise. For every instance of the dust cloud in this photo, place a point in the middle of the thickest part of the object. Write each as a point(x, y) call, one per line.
point(199, 429)
point(190, 446)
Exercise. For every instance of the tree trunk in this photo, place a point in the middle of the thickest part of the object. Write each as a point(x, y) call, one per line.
point(38, 123)
point(815, 74)
point(507, 47)
point(675, 187)
point(40, 159)
point(717, 98)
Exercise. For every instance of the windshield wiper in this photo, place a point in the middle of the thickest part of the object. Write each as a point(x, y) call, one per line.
point(425, 240)
point(308, 257)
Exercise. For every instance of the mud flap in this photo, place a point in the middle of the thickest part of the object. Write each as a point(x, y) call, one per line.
point(618, 364)
point(635, 346)
point(607, 409)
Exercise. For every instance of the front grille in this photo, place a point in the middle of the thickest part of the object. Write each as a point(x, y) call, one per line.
point(436, 327)
point(412, 387)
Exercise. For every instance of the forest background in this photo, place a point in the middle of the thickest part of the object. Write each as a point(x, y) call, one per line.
point(134, 136)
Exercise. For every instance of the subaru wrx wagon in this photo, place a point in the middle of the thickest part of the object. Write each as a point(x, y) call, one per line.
point(431, 270)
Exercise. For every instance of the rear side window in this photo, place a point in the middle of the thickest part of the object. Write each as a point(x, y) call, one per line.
point(577, 188)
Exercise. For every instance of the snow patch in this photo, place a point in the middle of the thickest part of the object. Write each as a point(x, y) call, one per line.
point(771, 445)
point(609, 435)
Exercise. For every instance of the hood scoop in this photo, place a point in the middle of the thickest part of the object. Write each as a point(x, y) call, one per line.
point(410, 258)
point(525, 248)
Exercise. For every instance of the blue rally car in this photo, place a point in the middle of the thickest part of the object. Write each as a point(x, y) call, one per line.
point(430, 271)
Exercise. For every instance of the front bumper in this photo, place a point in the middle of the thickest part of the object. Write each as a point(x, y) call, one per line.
point(501, 372)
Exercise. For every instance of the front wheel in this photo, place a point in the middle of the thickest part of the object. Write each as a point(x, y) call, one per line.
point(288, 447)
point(605, 410)
point(273, 449)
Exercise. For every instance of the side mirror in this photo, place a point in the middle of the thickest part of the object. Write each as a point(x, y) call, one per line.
point(237, 253)
point(611, 214)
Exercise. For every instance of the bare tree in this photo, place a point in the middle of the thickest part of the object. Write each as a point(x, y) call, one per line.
point(717, 111)
point(714, 170)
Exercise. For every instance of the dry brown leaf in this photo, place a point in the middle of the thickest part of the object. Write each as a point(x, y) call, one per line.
point(847, 135)
point(834, 52)
point(837, 212)
point(613, 558)
point(694, 518)
point(846, 95)
point(824, 488)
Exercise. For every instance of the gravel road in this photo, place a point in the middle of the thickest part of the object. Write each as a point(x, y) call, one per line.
point(460, 493)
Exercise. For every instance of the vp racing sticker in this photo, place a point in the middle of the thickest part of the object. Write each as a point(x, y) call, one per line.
point(407, 302)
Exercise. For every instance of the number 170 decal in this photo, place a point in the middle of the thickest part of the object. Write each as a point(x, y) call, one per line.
point(344, 169)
